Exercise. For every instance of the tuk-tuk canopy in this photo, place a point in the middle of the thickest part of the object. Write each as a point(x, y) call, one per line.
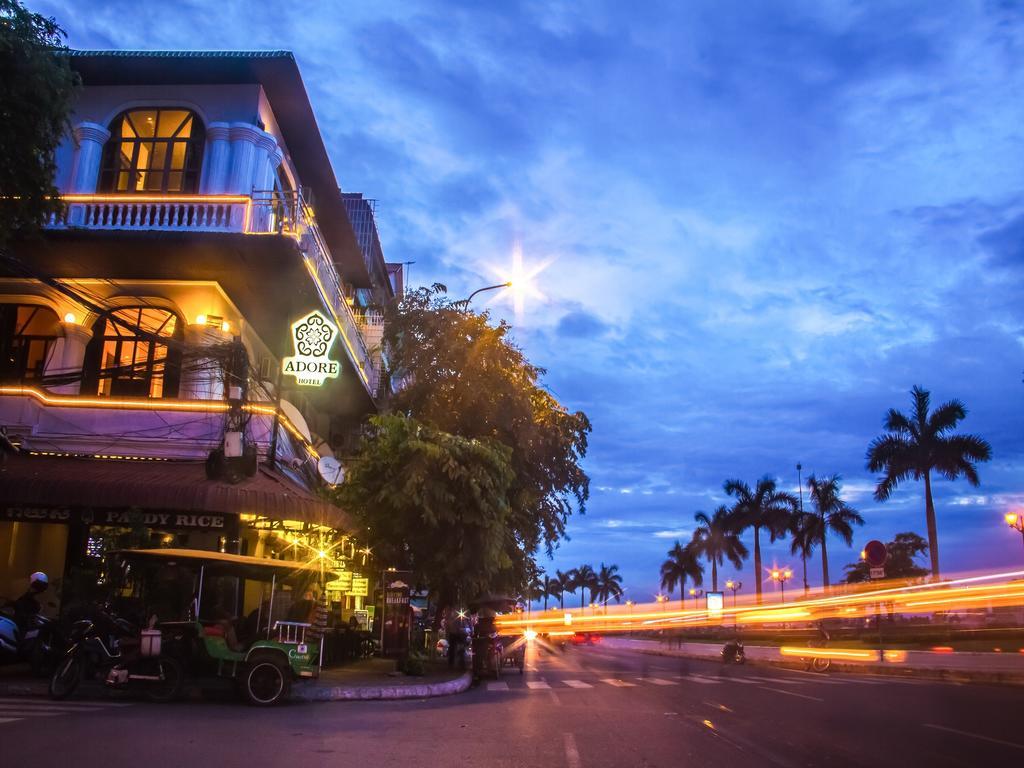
point(222, 563)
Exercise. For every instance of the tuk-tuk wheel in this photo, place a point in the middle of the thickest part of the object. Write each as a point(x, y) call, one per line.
point(266, 682)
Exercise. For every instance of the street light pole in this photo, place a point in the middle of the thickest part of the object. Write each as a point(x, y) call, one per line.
point(465, 302)
point(782, 576)
point(1016, 521)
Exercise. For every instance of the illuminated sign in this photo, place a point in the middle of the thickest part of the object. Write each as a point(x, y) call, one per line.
point(360, 588)
point(715, 602)
point(313, 336)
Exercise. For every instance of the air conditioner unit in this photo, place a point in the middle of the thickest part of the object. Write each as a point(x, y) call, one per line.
point(266, 368)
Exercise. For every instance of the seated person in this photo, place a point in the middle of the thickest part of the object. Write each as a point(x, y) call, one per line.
point(225, 627)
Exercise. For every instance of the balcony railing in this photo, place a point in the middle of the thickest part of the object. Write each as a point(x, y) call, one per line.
point(262, 213)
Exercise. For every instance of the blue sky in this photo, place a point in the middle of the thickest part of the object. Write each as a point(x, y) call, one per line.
point(765, 222)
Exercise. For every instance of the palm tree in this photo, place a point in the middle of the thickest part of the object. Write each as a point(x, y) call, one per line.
point(682, 564)
point(563, 583)
point(831, 515)
point(764, 507)
point(584, 578)
point(915, 445)
point(717, 538)
point(803, 540)
point(609, 583)
point(545, 589)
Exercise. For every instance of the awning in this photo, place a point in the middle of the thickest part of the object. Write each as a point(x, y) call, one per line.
point(49, 481)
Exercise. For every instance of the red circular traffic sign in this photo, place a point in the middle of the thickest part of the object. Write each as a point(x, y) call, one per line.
point(875, 553)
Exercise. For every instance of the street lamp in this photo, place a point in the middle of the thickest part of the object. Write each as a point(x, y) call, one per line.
point(735, 586)
point(782, 575)
point(465, 302)
point(695, 594)
point(1016, 521)
point(661, 598)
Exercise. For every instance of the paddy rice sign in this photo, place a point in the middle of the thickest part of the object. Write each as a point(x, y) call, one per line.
point(311, 365)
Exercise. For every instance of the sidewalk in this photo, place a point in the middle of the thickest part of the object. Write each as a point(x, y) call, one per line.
point(365, 680)
point(963, 666)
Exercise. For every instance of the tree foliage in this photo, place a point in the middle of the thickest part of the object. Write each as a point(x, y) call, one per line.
point(900, 563)
point(915, 445)
point(458, 373)
point(36, 91)
point(764, 507)
point(436, 503)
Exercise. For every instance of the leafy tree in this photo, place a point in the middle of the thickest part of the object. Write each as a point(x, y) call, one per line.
point(438, 504)
point(914, 445)
point(763, 507)
point(608, 583)
point(717, 538)
point(461, 374)
point(831, 515)
point(682, 564)
point(36, 91)
point(900, 563)
point(801, 528)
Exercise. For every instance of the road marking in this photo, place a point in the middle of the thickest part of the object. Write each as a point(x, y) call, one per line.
point(790, 693)
point(35, 713)
point(537, 685)
point(701, 680)
point(780, 680)
point(577, 684)
point(497, 686)
point(617, 683)
point(76, 704)
point(743, 680)
point(657, 681)
point(9, 719)
point(572, 755)
point(974, 736)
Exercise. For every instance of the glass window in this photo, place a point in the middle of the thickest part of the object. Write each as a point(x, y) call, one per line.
point(129, 356)
point(153, 151)
point(27, 336)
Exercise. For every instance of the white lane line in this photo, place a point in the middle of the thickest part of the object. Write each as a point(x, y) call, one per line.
point(790, 693)
point(497, 686)
point(701, 680)
point(974, 736)
point(537, 685)
point(76, 704)
point(9, 719)
point(743, 680)
point(47, 707)
point(572, 755)
point(657, 681)
point(617, 683)
point(577, 684)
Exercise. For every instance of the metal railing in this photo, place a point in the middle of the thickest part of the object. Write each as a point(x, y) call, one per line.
point(261, 213)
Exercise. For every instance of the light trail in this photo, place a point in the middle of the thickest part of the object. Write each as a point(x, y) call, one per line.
point(1004, 589)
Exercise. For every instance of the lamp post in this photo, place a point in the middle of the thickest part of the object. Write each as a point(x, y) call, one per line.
point(464, 304)
point(696, 594)
point(1016, 521)
point(661, 599)
point(735, 586)
point(782, 575)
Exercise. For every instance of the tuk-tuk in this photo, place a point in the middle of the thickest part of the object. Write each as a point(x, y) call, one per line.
point(225, 617)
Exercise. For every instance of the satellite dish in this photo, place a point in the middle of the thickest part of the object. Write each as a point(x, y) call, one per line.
point(296, 419)
point(330, 470)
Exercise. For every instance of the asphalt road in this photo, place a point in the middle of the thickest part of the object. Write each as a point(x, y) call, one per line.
point(585, 708)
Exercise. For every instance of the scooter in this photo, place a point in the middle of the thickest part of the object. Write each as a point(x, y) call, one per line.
point(40, 642)
point(733, 653)
point(127, 658)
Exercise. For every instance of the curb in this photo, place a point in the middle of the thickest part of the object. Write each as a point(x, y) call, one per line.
point(382, 692)
point(951, 675)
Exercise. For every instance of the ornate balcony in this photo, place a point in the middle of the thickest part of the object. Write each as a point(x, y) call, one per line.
point(262, 213)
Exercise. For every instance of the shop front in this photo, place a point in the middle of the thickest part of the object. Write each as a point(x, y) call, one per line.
point(62, 515)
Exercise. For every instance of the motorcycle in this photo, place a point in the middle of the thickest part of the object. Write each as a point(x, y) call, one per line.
point(39, 642)
point(733, 653)
point(126, 656)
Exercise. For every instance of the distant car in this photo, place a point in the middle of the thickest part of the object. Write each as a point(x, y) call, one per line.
point(585, 638)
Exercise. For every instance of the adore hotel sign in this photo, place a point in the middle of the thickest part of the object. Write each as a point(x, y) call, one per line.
point(313, 336)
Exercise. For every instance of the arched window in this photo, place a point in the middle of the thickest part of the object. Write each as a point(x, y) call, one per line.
point(154, 151)
point(27, 335)
point(130, 354)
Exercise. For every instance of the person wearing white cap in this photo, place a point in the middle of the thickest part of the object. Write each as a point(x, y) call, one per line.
point(27, 606)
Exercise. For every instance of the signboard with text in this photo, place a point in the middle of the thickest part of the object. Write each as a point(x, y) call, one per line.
point(313, 337)
point(360, 588)
point(126, 517)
